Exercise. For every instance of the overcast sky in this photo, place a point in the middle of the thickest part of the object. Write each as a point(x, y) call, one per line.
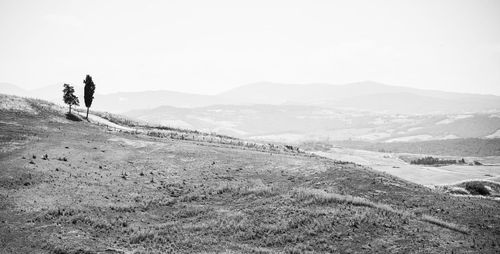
point(211, 46)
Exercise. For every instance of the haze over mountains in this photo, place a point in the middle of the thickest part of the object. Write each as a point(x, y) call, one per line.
point(367, 111)
point(370, 96)
point(367, 95)
point(51, 93)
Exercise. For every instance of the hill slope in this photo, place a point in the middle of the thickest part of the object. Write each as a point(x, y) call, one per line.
point(293, 123)
point(70, 187)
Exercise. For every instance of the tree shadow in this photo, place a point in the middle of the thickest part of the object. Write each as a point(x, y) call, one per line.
point(73, 117)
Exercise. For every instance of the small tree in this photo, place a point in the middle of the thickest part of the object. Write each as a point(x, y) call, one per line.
point(70, 97)
point(89, 93)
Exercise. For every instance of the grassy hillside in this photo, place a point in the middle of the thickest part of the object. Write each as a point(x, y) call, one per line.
point(76, 187)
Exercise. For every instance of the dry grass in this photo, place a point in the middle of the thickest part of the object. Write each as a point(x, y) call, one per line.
point(250, 187)
point(444, 224)
point(322, 197)
point(208, 198)
point(263, 191)
point(317, 196)
point(15, 103)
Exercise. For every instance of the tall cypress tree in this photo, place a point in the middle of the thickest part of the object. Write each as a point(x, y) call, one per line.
point(89, 93)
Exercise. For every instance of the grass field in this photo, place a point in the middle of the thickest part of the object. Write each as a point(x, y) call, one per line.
point(77, 187)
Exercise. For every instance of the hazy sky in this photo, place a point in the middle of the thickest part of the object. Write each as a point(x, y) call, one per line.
point(211, 46)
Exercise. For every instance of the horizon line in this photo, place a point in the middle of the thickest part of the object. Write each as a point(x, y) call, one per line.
point(259, 82)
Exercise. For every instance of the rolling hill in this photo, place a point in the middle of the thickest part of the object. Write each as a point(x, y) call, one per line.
point(363, 111)
point(71, 186)
point(51, 93)
point(126, 101)
point(293, 123)
point(8, 88)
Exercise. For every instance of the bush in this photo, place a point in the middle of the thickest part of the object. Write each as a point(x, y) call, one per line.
point(476, 188)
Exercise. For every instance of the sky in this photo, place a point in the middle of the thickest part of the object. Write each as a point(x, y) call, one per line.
point(209, 47)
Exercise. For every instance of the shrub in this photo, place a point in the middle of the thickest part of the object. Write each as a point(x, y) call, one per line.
point(477, 188)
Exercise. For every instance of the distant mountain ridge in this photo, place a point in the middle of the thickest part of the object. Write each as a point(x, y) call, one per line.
point(366, 96)
point(11, 89)
point(51, 93)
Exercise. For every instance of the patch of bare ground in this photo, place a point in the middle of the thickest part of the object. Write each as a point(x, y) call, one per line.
point(75, 187)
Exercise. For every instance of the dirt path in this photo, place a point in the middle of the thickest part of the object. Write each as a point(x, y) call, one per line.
point(102, 121)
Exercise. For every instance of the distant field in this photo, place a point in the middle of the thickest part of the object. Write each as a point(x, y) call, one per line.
point(398, 165)
point(454, 147)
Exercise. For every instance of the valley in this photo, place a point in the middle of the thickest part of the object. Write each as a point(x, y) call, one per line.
point(287, 127)
point(300, 123)
point(393, 164)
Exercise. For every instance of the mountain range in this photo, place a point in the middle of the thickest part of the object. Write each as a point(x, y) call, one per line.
point(371, 96)
point(366, 96)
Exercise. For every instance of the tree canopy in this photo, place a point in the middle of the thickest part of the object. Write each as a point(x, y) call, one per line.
point(69, 96)
point(89, 91)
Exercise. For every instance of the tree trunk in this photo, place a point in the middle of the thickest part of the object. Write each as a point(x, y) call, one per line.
point(70, 108)
point(87, 114)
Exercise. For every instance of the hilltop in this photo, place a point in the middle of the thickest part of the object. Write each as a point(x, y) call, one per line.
point(82, 187)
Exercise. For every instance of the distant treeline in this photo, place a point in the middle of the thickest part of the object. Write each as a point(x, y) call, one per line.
point(436, 161)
